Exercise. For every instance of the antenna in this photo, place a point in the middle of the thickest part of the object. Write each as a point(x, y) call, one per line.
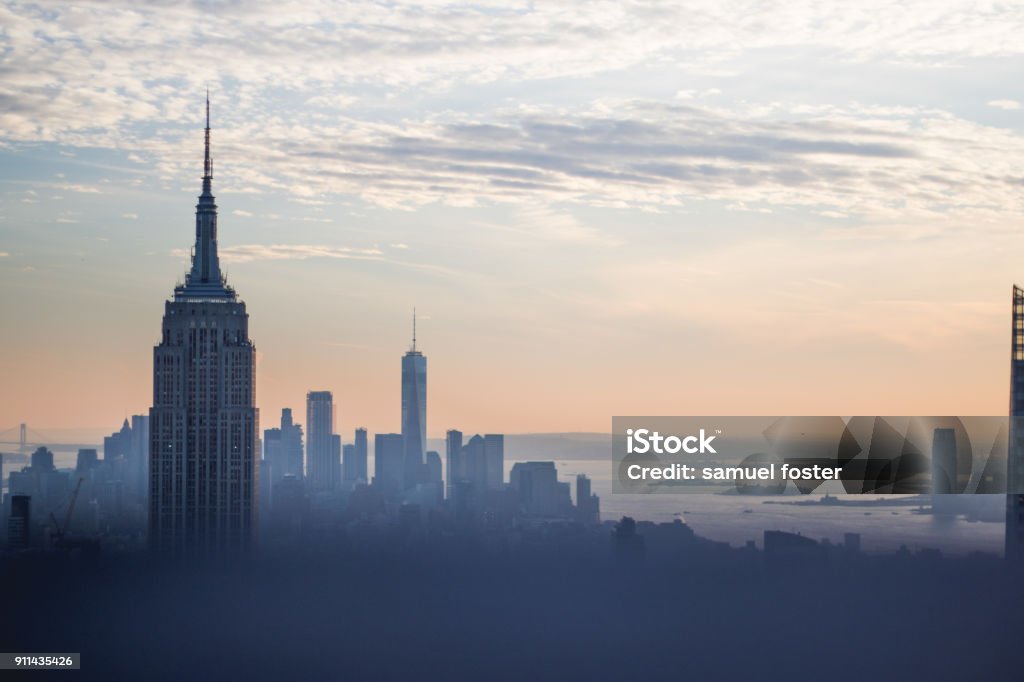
point(207, 159)
point(414, 329)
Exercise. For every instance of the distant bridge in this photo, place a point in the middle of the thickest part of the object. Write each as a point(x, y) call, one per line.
point(28, 440)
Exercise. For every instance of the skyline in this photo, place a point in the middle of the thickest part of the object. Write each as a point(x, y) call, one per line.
point(785, 225)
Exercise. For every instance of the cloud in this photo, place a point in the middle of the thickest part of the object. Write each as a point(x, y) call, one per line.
point(1005, 104)
point(4, 254)
point(240, 212)
point(297, 75)
point(858, 161)
point(130, 216)
point(245, 253)
point(85, 73)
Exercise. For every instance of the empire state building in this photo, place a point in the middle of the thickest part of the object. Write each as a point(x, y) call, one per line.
point(203, 423)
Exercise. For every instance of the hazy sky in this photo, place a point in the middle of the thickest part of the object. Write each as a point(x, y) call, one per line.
point(629, 207)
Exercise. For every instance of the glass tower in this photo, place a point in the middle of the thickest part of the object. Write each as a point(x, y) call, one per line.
point(414, 411)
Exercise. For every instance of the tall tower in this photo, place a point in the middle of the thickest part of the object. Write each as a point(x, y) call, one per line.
point(1015, 453)
point(414, 411)
point(323, 456)
point(203, 423)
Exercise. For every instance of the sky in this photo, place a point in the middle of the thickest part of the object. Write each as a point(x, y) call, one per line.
point(598, 209)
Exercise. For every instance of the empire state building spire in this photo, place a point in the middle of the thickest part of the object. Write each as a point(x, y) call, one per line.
point(205, 280)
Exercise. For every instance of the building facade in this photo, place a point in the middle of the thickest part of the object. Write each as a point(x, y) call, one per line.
point(414, 412)
point(323, 454)
point(203, 473)
point(1015, 452)
point(354, 462)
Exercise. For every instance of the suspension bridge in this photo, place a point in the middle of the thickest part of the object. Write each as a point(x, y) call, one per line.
point(27, 440)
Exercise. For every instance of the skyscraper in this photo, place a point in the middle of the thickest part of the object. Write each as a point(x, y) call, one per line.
point(414, 411)
point(455, 468)
point(203, 423)
point(354, 463)
point(1015, 453)
point(388, 464)
point(282, 451)
point(323, 455)
point(19, 523)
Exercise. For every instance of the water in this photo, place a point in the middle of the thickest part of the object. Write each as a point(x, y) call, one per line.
point(883, 528)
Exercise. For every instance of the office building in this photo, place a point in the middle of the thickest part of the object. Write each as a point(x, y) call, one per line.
point(588, 505)
point(19, 523)
point(203, 424)
point(323, 453)
point(455, 469)
point(539, 491)
point(354, 462)
point(389, 465)
point(414, 411)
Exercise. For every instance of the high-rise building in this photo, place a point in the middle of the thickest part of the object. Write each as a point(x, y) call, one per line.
point(1015, 453)
point(588, 506)
point(203, 424)
point(540, 492)
point(127, 452)
point(455, 470)
point(323, 455)
point(48, 487)
point(87, 459)
point(118, 443)
point(354, 462)
point(494, 461)
point(137, 466)
point(19, 523)
point(414, 411)
point(389, 464)
point(282, 452)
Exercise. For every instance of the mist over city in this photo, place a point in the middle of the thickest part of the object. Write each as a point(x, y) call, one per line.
point(332, 335)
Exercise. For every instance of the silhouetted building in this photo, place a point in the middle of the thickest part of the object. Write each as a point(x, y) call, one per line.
point(137, 466)
point(127, 453)
point(42, 460)
point(414, 411)
point(19, 523)
point(48, 487)
point(282, 452)
point(588, 505)
point(354, 463)
point(389, 465)
point(87, 460)
point(481, 461)
point(539, 491)
point(455, 470)
point(203, 423)
point(323, 458)
point(118, 443)
point(433, 480)
point(1015, 454)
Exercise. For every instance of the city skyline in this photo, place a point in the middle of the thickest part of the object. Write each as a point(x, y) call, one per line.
point(548, 210)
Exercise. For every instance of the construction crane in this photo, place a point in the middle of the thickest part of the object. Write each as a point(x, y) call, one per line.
point(58, 533)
